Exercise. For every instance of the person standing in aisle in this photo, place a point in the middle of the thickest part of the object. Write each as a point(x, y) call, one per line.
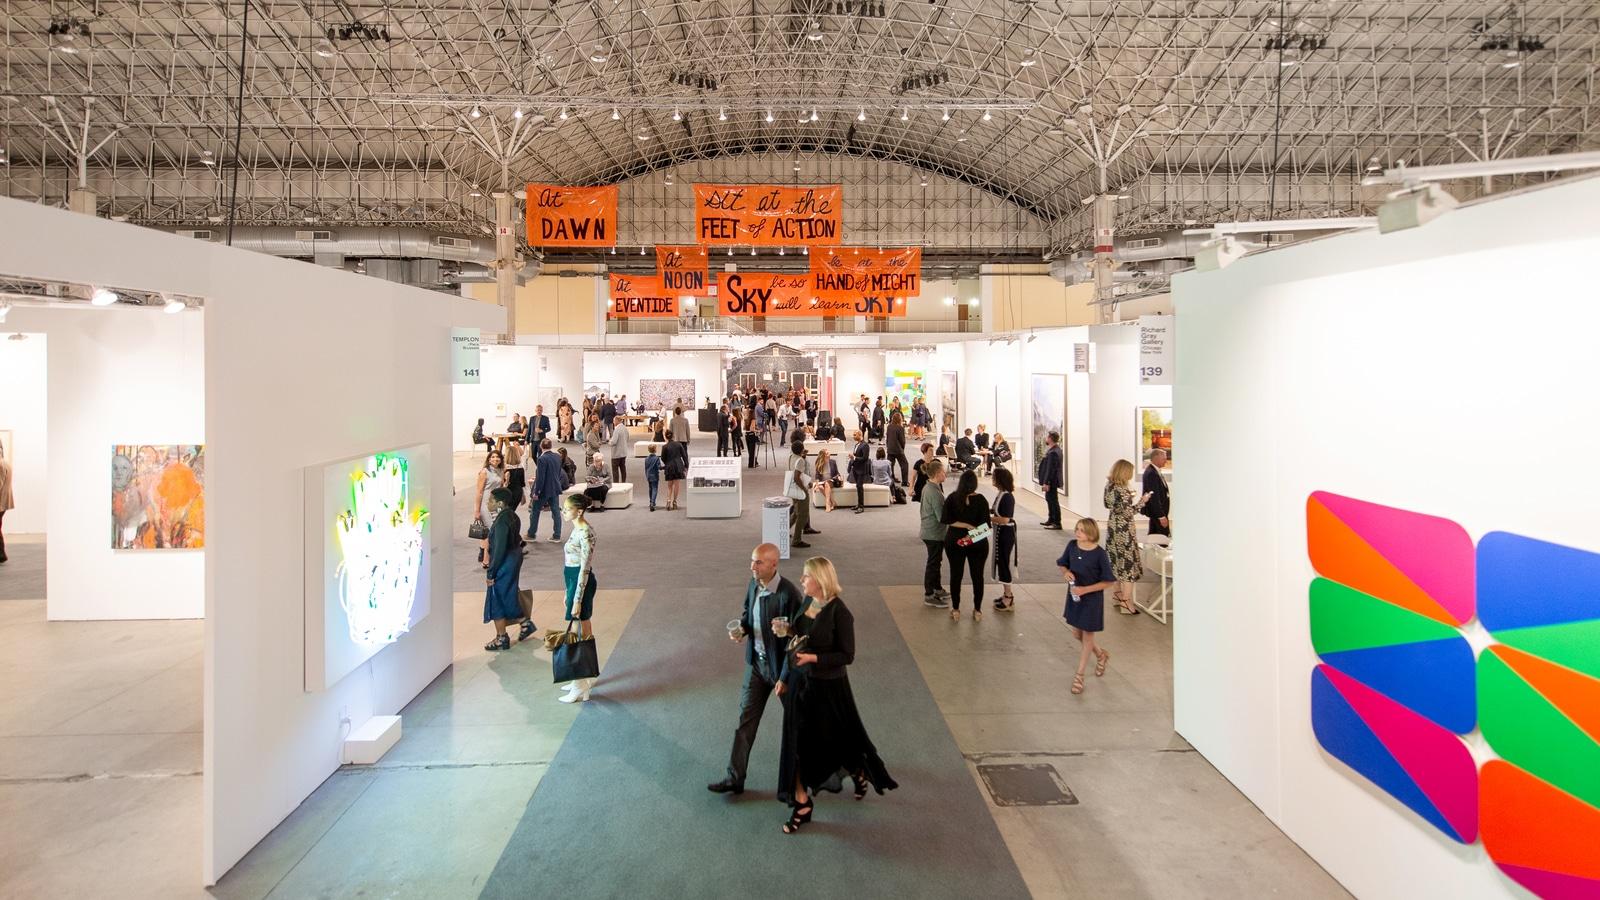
point(768, 596)
point(608, 413)
point(1003, 519)
point(1050, 481)
point(566, 433)
point(652, 475)
point(752, 433)
point(675, 465)
point(933, 530)
point(798, 490)
point(922, 474)
point(680, 427)
point(878, 418)
point(1087, 570)
point(1121, 546)
point(861, 470)
point(722, 431)
point(548, 483)
point(581, 584)
point(735, 425)
point(538, 427)
point(784, 416)
point(621, 446)
point(491, 476)
point(1157, 499)
point(503, 569)
point(964, 511)
point(894, 441)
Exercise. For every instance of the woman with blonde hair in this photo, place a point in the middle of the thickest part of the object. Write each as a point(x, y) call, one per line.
point(1087, 570)
point(1120, 543)
point(823, 738)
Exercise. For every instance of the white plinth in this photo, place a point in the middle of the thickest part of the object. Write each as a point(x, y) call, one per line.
point(775, 524)
point(715, 489)
point(368, 743)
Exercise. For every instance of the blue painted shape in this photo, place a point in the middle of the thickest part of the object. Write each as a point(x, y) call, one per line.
point(1343, 733)
point(1434, 679)
point(1524, 582)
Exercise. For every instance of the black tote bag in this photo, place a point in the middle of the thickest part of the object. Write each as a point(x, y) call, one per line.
point(574, 658)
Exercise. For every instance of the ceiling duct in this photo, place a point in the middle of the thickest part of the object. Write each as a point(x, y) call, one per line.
point(1169, 246)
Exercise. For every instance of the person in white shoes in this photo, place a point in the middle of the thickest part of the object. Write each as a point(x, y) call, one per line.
point(581, 583)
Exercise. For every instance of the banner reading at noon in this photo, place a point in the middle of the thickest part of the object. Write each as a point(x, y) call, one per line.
point(771, 294)
point(854, 273)
point(633, 297)
point(768, 215)
point(561, 216)
point(683, 269)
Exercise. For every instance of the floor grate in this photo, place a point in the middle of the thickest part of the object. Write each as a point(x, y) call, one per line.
point(1026, 784)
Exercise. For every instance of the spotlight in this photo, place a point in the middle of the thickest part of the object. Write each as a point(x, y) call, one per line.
point(563, 115)
point(1029, 59)
point(1413, 208)
point(174, 306)
point(813, 115)
point(905, 114)
point(323, 48)
point(752, 251)
point(722, 114)
point(862, 115)
point(946, 116)
point(676, 115)
point(103, 297)
point(616, 115)
point(814, 31)
point(987, 116)
point(476, 113)
point(769, 117)
point(597, 53)
point(517, 113)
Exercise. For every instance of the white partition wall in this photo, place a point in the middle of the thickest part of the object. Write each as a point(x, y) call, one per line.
point(24, 389)
point(623, 370)
point(1446, 370)
point(509, 376)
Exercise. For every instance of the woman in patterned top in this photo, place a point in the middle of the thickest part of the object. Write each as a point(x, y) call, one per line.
point(1120, 544)
point(581, 583)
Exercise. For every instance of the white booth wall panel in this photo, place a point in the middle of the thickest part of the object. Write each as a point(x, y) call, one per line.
point(1359, 365)
point(1115, 395)
point(24, 389)
point(856, 372)
point(561, 368)
point(623, 371)
point(507, 374)
point(1050, 352)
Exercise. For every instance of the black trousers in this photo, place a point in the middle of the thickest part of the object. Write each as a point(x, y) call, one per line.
point(2, 536)
point(861, 495)
point(1005, 547)
point(751, 445)
point(1155, 528)
point(619, 469)
point(1052, 505)
point(973, 557)
point(722, 443)
point(752, 703)
point(905, 467)
point(931, 583)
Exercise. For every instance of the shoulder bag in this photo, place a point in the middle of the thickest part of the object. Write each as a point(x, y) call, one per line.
point(574, 657)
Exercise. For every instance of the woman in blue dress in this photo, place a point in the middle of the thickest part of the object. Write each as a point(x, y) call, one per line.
point(1087, 569)
point(504, 564)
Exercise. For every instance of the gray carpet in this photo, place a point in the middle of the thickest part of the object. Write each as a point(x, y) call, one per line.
point(22, 578)
point(623, 810)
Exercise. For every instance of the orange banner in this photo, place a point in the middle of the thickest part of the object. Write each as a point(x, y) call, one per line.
point(633, 297)
point(853, 273)
point(683, 269)
point(770, 294)
point(768, 215)
point(572, 216)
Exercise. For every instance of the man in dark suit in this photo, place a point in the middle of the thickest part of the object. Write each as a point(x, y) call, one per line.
point(966, 450)
point(548, 482)
point(1158, 502)
point(768, 596)
point(722, 431)
point(608, 412)
point(878, 419)
point(538, 427)
point(1050, 480)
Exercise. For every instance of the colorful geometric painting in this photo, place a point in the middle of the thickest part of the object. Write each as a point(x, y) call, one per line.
point(158, 496)
point(908, 385)
point(1399, 681)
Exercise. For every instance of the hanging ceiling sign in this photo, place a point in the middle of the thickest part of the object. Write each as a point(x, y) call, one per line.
point(561, 216)
point(633, 297)
point(772, 294)
point(768, 215)
point(853, 273)
point(683, 270)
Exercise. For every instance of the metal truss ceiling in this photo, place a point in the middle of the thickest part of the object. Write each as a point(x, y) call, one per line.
point(1027, 101)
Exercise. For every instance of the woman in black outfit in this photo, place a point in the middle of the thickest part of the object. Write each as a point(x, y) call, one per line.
point(750, 435)
point(1003, 518)
point(965, 510)
point(861, 470)
point(823, 738)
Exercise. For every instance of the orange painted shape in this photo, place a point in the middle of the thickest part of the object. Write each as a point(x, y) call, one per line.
point(1339, 554)
point(1527, 822)
point(1575, 694)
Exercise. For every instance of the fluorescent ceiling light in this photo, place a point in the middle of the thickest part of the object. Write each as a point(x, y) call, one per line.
point(175, 306)
point(103, 297)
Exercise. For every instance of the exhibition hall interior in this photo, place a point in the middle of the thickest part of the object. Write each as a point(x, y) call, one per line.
point(856, 448)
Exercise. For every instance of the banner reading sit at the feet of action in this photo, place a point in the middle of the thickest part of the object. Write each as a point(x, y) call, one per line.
point(561, 216)
point(768, 215)
point(683, 270)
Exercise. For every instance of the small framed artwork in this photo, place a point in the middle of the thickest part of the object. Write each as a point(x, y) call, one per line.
point(1155, 431)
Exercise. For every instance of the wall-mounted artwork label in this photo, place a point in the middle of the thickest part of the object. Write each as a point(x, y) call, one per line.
point(367, 558)
point(563, 216)
point(158, 497)
point(768, 215)
point(683, 270)
point(465, 355)
point(1156, 355)
point(1083, 358)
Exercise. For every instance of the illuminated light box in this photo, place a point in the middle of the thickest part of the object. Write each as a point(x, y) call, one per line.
point(368, 548)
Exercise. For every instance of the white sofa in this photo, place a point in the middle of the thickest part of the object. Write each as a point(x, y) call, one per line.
point(619, 497)
point(641, 449)
point(836, 449)
point(874, 495)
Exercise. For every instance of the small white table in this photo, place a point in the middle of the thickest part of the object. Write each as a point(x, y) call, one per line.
point(1156, 551)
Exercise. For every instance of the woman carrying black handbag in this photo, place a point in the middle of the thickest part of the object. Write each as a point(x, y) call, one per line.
point(581, 586)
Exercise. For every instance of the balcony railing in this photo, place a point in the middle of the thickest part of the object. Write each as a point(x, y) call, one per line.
point(785, 325)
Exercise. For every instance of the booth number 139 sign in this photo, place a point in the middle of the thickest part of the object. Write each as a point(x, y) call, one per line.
point(464, 356)
point(1155, 350)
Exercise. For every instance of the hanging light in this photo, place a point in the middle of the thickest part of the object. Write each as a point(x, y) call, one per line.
point(905, 114)
point(476, 113)
point(323, 48)
point(987, 116)
point(103, 297)
point(676, 115)
point(722, 114)
point(597, 53)
point(563, 114)
point(780, 251)
point(641, 250)
point(806, 250)
point(1029, 59)
point(814, 31)
point(946, 116)
point(862, 115)
point(616, 115)
point(517, 113)
point(752, 251)
point(730, 251)
point(813, 114)
point(769, 117)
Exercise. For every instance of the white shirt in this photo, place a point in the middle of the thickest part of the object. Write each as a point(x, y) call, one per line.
point(757, 619)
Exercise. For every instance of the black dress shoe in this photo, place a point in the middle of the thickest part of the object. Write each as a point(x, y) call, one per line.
point(800, 544)
point(812, 531)
point(725, 786)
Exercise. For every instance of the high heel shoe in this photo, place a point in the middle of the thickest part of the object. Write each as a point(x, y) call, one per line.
point(1101, 658)
point(526, 631)
point(801, 815)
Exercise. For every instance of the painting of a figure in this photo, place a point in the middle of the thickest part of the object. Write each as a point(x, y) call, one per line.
point(158, 497)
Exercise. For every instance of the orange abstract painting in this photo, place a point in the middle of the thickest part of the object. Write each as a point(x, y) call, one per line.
point(158, 497)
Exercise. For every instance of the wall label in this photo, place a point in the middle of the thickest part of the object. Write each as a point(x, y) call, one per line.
point(464, 355)
point(1156, 355)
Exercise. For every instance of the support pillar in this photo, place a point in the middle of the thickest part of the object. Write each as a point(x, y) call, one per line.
point(1105, 218)
point(507, 262)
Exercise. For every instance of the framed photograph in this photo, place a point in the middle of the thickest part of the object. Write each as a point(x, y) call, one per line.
point(1155, 431)
point(1048, 412)
point(593, 389)
point(950, 402)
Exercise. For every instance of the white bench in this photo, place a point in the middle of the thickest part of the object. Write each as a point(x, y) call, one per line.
point(641, 449)
point(836, 449)
point(619, 497)
point(874, 495)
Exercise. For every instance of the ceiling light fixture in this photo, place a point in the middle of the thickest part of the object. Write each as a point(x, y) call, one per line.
point(946, 116)
point(323, 48)
point(905, 114)
point(1029, 59)
point(677, 116)
point(752, 251)
point(597, 54)
point(476, 113)
point(616, 114)
point(769, 117)
point(103, 297)
point(563, 115)
point(780, 251)
point(722, 114)
point(516, 113)
point(987, 116)
point(862, 115)
point(174, 306)
point(813, 114)
point(814, 30)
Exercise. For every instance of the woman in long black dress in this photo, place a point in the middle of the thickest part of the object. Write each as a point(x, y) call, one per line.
point(1087, 569)
point(823, 738)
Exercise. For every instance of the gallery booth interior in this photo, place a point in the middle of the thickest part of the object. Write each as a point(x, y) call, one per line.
point(1272, 304)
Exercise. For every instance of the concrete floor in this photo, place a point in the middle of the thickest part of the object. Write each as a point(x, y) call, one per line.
point(100, 752)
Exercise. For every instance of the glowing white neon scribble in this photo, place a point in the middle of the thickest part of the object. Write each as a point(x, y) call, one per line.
point(381, 545)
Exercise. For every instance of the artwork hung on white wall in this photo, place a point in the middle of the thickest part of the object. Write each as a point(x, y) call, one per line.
point(500, 410)
point(549, 397)
point(1048, 402)
point(664, 393)
point(158, 497)
point(1155, 431)
point(593, 389)
point(367, 574)
point(950, 403)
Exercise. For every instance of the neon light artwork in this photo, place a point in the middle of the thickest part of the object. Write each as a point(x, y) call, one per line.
point(381, 547)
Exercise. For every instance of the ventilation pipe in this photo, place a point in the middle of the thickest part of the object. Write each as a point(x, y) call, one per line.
point(1173, 250)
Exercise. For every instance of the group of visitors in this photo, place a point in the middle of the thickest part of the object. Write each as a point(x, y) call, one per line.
point(746, 421)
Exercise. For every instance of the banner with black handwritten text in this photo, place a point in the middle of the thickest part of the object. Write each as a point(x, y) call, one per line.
point(768, 215)
point(560, 216)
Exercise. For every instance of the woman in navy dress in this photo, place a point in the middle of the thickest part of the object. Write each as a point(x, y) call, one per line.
point(1087, 570)
point(501, 604)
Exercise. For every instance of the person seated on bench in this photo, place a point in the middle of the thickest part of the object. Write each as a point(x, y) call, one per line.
point(827, 478)
point(599, 483)
point(883, 474)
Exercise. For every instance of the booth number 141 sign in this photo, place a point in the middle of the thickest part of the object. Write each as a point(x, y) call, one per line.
point(1155, 350)
point(464, 355)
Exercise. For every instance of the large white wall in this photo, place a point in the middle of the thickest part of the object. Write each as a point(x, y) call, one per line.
point(376, 376)
point(624, 369)
point(856, 372)
point(24, 389)
point(507, 374)
point(1387, 368)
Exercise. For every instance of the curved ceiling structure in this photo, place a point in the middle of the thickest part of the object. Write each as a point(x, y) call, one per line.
point(377, 111)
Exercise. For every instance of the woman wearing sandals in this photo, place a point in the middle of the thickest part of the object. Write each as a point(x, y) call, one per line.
point(1087, 570)
point(823, 738)
point(501, 603)
point(1003, 518)
point(1120, 543)
point(581, 583)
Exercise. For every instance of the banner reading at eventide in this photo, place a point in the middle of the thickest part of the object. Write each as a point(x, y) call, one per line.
point(683, 269)
point(561, 216)
point(850, 274)
point(768, 215)
point(771, 294)
point(633, 297)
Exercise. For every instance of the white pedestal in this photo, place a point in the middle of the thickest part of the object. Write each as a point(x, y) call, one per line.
point(368, 743)
point(775, 524)
point(715, 488)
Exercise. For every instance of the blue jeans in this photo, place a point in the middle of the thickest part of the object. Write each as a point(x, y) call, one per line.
point(538, 504)
point(655, 483)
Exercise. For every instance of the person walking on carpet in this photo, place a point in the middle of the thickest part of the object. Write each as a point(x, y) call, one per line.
point(768, 596)
point(548, 483)
point(1086, 567)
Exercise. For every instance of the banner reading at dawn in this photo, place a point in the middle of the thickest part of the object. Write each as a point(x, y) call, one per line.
point(633, 297)
point(683, 269)
point(768, 215)
point(771, 294)
point(857, 273)
point(561, 216)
